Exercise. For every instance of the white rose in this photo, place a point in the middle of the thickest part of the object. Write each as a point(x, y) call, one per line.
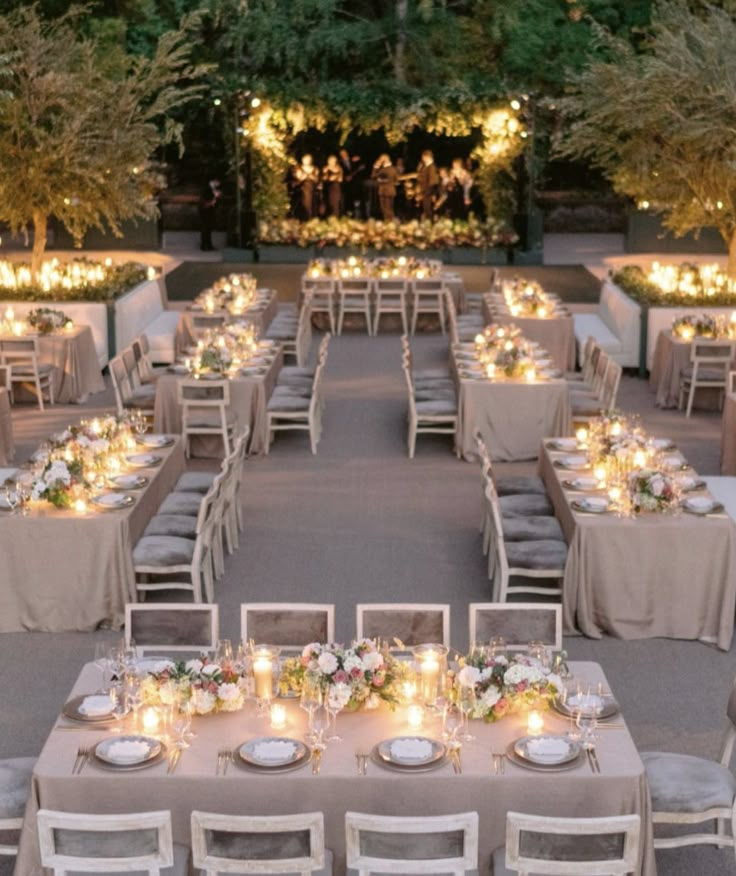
point(518, 673)
point(83, 441)
point(372, 661)
point(231, 697)
point(100, 445)
point(204, 701)
point(490, 697)
point(162, 666)
point(468, 676)
point(327, 663)
point(211, 669)
point(311, 648)
point(486, 673)
point(194, 666)
point(352, 661)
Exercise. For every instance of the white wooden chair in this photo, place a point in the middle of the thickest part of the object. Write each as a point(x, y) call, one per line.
point(354, 296)
point(274, 844)
point(322, 290)
point(586, 406)
point(537, 560)
point(424, 374)
point(545, 844)
point(412, 623)
point(689, 790)
point(205, 410)
point(462, 328)
point(710, 364)
point(171, 626)
point(510, 485)
point(16, 775)
point(518, 622)
point(147, 371)
point(288, 411)
point(390, 298)
point(289, 626)
point(126, 397)
point(159, 561)
point(437, 416)
point(294, 333)
point(428, 296)
point(446, 844)
point(22, 355)
point(72, 842)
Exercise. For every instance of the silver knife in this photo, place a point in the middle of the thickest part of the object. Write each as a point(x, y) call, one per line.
point(85, 758)
point(173, 761)
point(594, 758)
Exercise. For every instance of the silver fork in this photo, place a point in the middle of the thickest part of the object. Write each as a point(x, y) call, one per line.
point(78, 759)
point(220, 768)
point(83, 759)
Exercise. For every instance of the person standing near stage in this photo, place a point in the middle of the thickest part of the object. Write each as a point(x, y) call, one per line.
point(461, 183)
point(386, 177)
point(352, 184)
point(208, 198)
point(307, 178)
point(428, 182)
point(332, 177)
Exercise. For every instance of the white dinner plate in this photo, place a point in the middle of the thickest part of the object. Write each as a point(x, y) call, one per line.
point(141, 749)
point(411, 751)
point(547, 750)
point(129, 482)
point(143, 460)
point(155, 441)
point(113, 501)
point(592, 504)
point(273, 751)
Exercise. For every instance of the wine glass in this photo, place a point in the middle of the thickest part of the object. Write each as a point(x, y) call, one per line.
point(537, 650)
point(224, 652)
point(586, 720)
point(120, 706)
point(453, 722)
point(139, 422)
point(320, 721)
point(466, 702)
point(498, 646)
point(181, 722)
point(310, 699)
point(336, 700)
point(101, 661)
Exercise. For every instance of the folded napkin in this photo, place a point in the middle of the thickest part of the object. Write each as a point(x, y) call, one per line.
point(595, 503)
point(700, 503)
point(548, 748)
point(575, 461)
point(411, 749)
point(96, 706)
point(128, 751)
point(585, 483)
point(566, 443)
point(274, 752)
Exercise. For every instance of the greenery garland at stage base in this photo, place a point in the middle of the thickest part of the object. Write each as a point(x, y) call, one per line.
point(270, 130)
point(376, 234)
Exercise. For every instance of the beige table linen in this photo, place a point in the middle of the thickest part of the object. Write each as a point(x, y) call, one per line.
point(512, 415)
point(556, 334)
point(728, 436)
point(248, 399)
point(620, 789)
point(76, 366)
point(671, 357)
point(260, 316)
point(655, 575)
point(64, 571)
point(7, 448)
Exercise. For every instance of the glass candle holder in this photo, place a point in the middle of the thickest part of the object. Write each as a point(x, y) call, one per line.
point(431, 662)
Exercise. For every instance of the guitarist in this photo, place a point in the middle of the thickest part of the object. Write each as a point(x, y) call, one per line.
point(352, 167)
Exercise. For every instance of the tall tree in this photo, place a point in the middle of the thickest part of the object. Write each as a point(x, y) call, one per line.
point(661, 124)
point(77, 131)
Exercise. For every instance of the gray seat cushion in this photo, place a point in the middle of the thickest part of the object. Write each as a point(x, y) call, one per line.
point(181, 503)
point(436, 394)
point(530, 529)
point(442, 407)
point(422, 373)
point(498, 863)
point(510, 485)
point(180, 867)
point(525, 505)
point(683, 783)
point(163, 550)
point(180, 525)
point(15, 783)
point(289, 371)
point(292, 391)
point(27, 370)
point(209, 419)
point(433, 382)
point(714, 374)
point(543, 554)
point(142, 399)
point(286, 380)
point(288, 404)
point(195, 482)
point(586, 409)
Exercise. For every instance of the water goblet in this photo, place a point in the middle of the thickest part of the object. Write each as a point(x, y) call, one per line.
point(467, 702)
point(586, 720)
point(181, 723)
point(320, 721)
point(310, 700)
point(224, 652)
point(537, 650)
point(498, 646)
point(101, 661)
point(120, 707)
point(453, 722)
point(337, 698)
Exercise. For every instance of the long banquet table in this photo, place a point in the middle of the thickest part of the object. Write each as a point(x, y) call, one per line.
point(73, 355)
point(7, 447)
point(259, 316)
point(621, 788)
point(512, 415)
point(556, 333)
point(64, 571)
point(249, 396)
point(656, 575)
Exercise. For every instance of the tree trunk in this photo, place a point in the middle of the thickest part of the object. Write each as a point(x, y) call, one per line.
point(40, 226)
point(402, 9)
point(732, 255)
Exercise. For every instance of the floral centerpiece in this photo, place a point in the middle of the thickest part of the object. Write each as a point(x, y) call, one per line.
point(371, 672)
point(209, 686)
point(58, 481)
point(527, 298)
point(388, 267)
point(504, 685)
point(700, 325)
point(213, 359)
point(651, 490)
point(46, 320)
point(234, 293)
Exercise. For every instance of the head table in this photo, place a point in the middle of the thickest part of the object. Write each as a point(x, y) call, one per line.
point(621, 787)
point(64, 570)
point(671, 357)
point(656, 574)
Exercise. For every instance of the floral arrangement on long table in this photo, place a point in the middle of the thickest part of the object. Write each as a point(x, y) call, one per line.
point(234, 293)
point(506, 685)
point(527, 298)
point(503, 351)
point(386, 268)
point(366, 667)
point(208, 686)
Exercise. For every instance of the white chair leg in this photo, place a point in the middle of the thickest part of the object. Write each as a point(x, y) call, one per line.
point(442, 316)
point(341, 316)
point(690, 397)
point(414, 319)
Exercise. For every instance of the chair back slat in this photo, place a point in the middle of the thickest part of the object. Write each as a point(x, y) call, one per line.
point(518, 623)
point(286, 625)
point(412, 624)
point(171, 626)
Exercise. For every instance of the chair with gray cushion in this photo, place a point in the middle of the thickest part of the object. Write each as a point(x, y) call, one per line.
point(690, 790)
point(423, 374)
point(429, 415)
point(290, 626)
point(710, 364)
point(290, 845)
point(16, 774)
point(171, 626)
point(536, 844)
point(205, 410)
point(377, 844)
point(518, 623)
point(509, 485)
point(523, 518)
point(410, 623)
point(139, 844)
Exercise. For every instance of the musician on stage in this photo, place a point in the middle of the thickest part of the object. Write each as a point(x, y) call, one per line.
point(386, 177)
point(460, 184)
point(332, 178)
point(352, 167)
point(307, 178)
point(428, 182)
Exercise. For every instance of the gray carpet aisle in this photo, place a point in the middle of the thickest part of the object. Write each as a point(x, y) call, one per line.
point(361, 522)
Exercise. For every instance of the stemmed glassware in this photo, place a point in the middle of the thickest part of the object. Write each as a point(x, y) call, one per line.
point(310, 700)
point(320, 722)
point(453, 722)
point(181, 722)
point(337, 698)
point(103, 663)
point(466, 702)
point(224, 652)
